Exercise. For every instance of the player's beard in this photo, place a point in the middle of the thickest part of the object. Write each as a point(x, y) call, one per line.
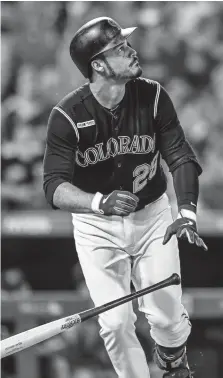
point(130, 74)
point(138, 72)
point(123, 76)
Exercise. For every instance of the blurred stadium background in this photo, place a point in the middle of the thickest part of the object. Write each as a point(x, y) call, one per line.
point(180, 44)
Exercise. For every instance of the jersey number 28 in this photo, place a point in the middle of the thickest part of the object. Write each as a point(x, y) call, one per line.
point(143, 173)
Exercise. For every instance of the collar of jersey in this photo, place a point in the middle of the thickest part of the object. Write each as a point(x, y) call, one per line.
point(116, 108)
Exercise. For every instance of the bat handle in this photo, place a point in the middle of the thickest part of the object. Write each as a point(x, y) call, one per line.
point(174, 279)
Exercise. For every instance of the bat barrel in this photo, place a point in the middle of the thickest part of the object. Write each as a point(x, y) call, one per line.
point(36, 335)
point(174, 279)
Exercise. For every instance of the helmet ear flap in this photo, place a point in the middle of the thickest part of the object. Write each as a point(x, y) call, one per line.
point(90, 71)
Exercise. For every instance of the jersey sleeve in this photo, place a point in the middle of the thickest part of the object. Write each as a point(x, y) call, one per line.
point(59, 157)
point(173, 146)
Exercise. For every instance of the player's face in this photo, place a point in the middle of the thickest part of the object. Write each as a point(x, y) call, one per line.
point(122, 63)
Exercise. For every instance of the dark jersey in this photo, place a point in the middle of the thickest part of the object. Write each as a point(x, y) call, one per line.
point(99, 150)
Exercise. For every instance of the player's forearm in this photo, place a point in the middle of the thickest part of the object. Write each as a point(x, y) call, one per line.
point(186, 185)
point(68, 197)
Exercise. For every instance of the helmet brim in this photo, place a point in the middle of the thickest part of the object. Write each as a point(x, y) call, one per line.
point(127, 31)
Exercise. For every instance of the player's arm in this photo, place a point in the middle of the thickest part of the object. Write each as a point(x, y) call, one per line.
point(185, 169)
point(59, 169)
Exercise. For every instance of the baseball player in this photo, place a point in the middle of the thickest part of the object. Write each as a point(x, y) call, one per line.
point(102, 164)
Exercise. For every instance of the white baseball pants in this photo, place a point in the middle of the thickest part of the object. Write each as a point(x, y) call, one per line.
point(112, 250)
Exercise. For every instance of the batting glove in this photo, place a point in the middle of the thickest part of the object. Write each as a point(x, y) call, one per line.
point(116, 203)
point(185, 228)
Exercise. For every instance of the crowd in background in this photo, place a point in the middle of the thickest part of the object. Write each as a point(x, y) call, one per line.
point(179, 44)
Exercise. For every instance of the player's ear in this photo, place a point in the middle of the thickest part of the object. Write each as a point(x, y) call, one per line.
point(97, 65)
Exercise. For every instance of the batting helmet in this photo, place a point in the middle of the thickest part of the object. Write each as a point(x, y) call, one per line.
point(94, 37)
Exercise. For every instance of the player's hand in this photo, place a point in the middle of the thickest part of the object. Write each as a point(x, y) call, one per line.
point(118, 203)
point(185, 228)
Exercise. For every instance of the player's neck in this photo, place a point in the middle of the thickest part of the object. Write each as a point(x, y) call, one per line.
point(107, 94)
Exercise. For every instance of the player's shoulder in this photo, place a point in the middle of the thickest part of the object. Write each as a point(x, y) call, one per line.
point(147, 86)
point(145, 82)
point(73, 98)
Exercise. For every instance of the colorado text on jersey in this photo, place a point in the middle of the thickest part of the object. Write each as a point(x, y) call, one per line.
point(142, 144)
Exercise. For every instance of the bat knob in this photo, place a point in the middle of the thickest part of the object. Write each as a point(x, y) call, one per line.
point(175, 279)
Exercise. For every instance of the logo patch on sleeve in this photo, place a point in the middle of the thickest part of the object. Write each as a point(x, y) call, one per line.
point(80, 125)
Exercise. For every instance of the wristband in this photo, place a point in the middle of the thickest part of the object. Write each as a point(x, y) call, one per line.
point(95, 203)
point(187, 214)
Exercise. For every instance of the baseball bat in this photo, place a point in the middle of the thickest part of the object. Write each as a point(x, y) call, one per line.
point(35, 335)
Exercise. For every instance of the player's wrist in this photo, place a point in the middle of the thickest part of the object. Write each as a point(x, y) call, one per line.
point(96, 203)
point(186, 213)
